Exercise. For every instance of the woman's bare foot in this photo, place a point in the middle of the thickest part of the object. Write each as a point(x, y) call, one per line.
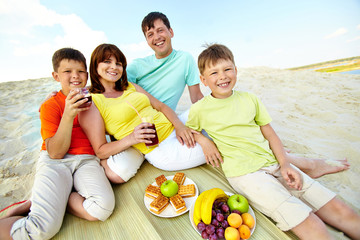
point(19, 210)
point(316, 168)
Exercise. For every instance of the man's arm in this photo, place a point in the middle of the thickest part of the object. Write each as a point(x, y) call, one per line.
point(195, 93)
point(183, 133)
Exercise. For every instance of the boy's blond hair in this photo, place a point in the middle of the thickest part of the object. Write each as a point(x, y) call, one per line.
point(212, 54)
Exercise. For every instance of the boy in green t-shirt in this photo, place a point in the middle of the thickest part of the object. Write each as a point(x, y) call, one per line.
point(253, 158)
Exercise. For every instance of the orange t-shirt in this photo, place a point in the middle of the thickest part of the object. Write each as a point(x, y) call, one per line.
point(51, 113)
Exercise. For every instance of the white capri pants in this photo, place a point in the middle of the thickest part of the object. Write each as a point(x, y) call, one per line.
point(170, 155)
point(53, 184)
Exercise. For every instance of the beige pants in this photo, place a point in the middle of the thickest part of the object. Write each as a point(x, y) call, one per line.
point(53, 184)
point(268, 192)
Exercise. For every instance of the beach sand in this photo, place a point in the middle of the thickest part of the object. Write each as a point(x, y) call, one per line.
point(316, 115)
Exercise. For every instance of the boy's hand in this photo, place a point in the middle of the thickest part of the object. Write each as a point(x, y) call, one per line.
point(292, 176)
point(72, 107)
point(185, 135)
point(212, 154)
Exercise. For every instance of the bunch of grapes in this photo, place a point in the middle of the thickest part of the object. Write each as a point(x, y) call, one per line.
point(216, 230)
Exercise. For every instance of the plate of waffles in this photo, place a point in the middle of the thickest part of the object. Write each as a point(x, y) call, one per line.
point(177, 205)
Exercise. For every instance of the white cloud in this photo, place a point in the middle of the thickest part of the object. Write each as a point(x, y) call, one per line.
point(338, 32)
point(136, 50)
point(354, 39)
point(33, 32)
point(358, 27)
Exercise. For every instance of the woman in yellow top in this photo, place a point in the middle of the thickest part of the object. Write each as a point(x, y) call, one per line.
point(115, 113)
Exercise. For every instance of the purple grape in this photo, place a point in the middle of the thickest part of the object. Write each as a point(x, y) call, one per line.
point(220, 217)
point(220, 232)
point(215, 222)
point(224, 224)
point(236, 211)
point(201, 226)
point(210, 229)
point(204, 235)
point(217, 211)
point(213, 213)
point(213, 236)
point(220, 204)
point(225, 208)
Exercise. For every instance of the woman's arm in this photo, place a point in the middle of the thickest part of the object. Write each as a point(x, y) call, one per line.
point(183, 133)
point(94, 128)
point(291, 175)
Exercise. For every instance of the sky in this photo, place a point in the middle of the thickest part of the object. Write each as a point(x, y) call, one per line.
point(273, 33)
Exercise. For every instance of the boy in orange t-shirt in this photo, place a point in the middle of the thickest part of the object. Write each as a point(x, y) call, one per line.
point(66, 161)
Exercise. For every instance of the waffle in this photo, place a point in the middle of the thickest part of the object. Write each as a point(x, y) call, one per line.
point(159, 204)
point(152, 191)
point(187, 190)
point(160, 179)
point(178, 203)
point(179, 178)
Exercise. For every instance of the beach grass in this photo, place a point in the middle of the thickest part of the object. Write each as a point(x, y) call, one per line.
point(339, 65)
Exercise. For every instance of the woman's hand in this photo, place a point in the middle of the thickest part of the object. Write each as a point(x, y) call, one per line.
point(185, 135)
point(212, 154)
point(142, 133)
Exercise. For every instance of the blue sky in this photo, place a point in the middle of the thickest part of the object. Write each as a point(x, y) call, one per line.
point(273, 33)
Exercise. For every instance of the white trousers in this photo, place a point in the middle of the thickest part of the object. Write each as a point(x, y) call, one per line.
point(170, 155)
point(53, 184)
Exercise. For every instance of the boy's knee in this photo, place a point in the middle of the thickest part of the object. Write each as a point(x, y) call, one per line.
point(34, 227)
point(100, 207)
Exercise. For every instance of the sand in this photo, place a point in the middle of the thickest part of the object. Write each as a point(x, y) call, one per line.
point(316, 115)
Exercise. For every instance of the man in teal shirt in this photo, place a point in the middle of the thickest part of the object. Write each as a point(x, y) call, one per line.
point(165, 74)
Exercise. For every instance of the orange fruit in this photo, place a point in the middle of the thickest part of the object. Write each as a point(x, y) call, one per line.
point(232, 234)
point(244, 232)
point(248, 220)
point(234, 220)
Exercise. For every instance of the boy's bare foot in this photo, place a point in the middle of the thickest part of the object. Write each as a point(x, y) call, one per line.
point(19, 210)
point(322, 167)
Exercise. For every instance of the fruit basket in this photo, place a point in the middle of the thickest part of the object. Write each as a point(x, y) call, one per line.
point(219, 222)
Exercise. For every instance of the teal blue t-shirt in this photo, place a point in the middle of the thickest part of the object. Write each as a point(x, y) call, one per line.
point(234, 125)
point(165, 78)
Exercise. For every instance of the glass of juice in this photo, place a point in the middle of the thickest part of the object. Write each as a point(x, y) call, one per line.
point(154, 140)
point(86, 93)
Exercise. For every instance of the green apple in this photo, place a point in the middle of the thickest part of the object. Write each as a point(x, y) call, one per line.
point(238, 202)
point(169, 188)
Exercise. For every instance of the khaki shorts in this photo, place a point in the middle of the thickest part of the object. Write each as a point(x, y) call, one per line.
point(268, 192)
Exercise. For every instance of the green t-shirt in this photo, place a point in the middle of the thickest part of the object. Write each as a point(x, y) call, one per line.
point(165, 78)
point(234, 125)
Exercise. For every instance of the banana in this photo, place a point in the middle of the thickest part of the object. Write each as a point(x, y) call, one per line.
point(207, 203)
point(197, 206)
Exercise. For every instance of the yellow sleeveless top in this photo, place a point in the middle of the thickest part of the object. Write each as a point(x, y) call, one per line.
point(120, 118)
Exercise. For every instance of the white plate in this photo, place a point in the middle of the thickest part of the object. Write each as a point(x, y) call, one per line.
point(169, 211)
point(191, 216)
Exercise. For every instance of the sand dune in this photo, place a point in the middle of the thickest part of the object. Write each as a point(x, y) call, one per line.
point(315, 114)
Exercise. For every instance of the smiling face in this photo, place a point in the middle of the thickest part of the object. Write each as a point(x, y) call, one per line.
point(110, 70)
point(71, 74)
point(159, 39)
point(220, 78)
